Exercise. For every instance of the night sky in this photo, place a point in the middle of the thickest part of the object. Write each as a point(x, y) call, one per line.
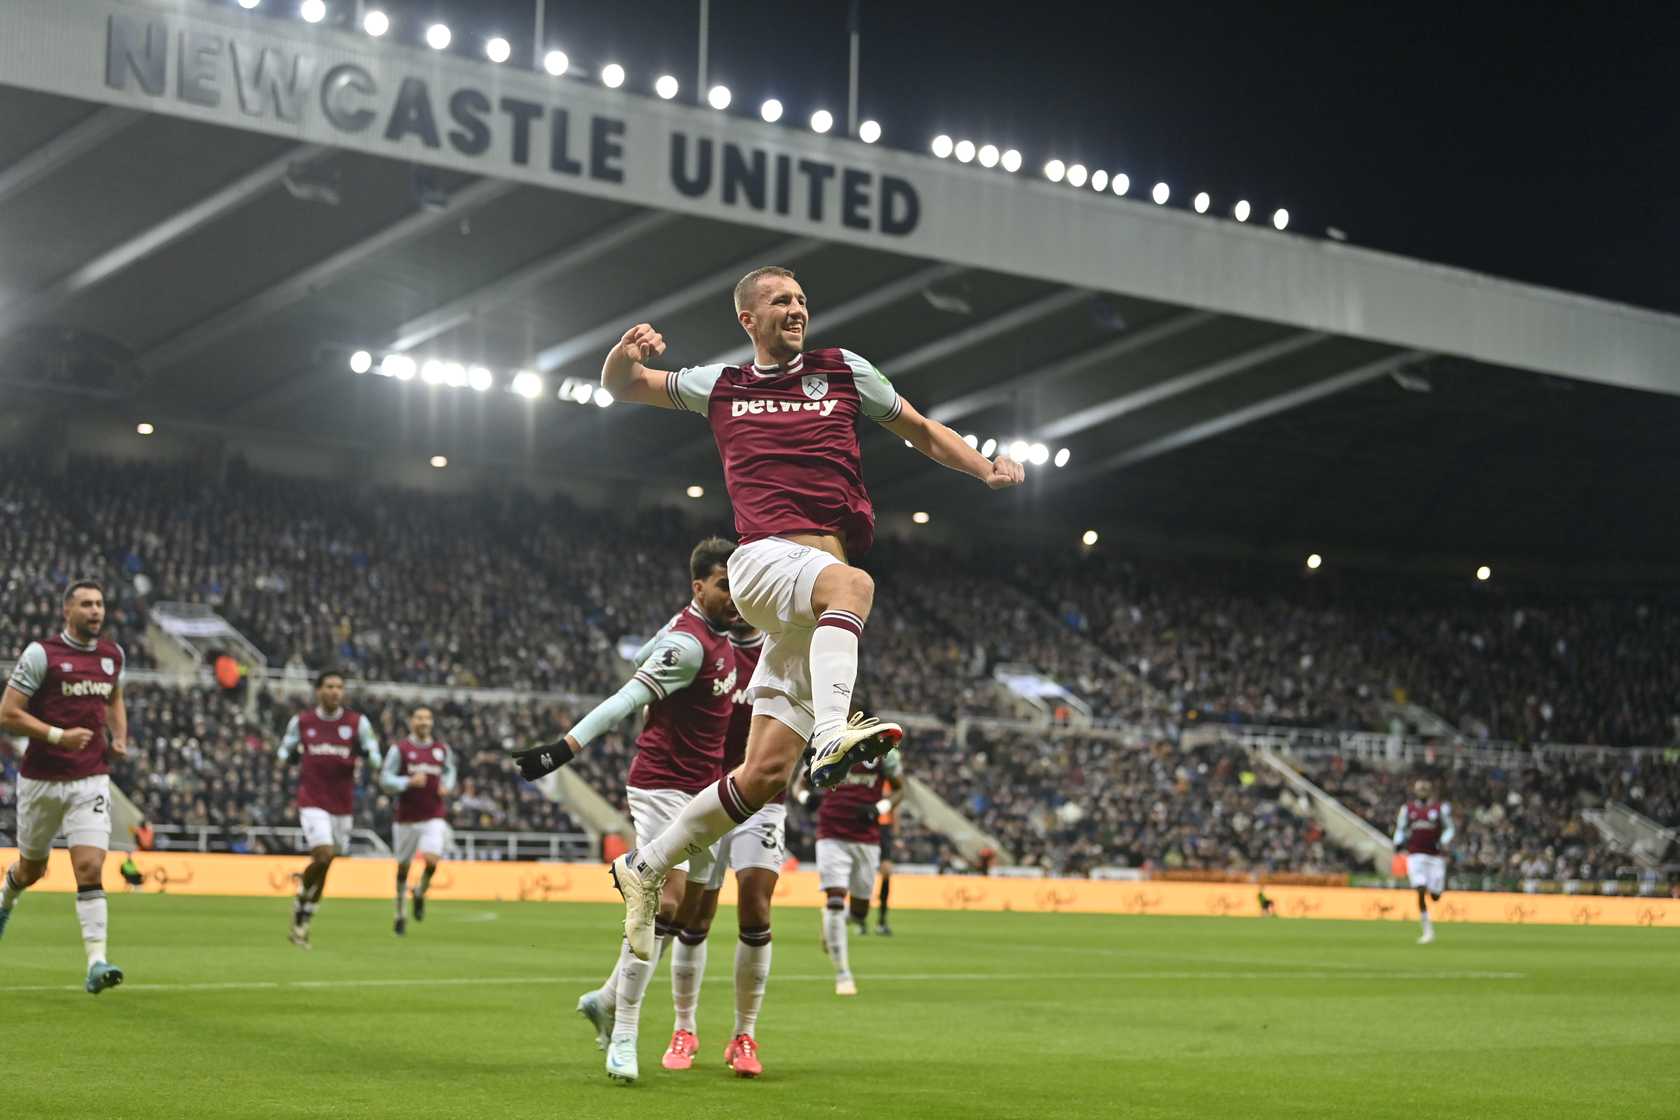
point(1535, 142)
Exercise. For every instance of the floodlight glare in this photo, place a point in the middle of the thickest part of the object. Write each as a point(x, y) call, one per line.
point(1121, 183)
point(942, 145)
point(1241, 210)
point(1280, 220)
point(527, 384)
point(988, 447)
point(1090, 538)
point(1201, 202)
point(479, 379)
point(771, 111)
point(361, 361)
point(1160, 194)
point(556, 62)
point(313, 11)
point(1062, 457)
point(822, 120)
point(1099, 180)
point(965, 151)
point(498, 50)
point(612, 75)
point(376, 23)
point(1055, 170)
point(988, 155)
point(1012, 161)
point(869, 131)
point(1076, 175)
point(438, 36)
point(719, 97)
point(666, 86)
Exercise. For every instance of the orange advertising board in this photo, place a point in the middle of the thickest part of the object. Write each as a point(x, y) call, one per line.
point(274, 876)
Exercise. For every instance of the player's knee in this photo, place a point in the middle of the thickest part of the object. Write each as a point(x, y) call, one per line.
point(760, 779)
point(842, 587)
point(27, 871)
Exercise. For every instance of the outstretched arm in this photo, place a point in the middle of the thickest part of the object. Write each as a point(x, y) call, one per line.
point(948, 449)
point(625, 375)
point(288, 742)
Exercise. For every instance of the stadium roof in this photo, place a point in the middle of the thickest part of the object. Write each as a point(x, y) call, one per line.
point(185, 237)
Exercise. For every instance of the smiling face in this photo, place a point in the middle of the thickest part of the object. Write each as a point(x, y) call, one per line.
point(774, 314)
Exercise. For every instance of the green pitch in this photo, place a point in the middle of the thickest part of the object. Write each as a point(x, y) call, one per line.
point(960, 1015)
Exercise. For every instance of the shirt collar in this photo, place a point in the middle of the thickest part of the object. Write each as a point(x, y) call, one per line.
point(797, 364)
point(85, 647)
point(701, 615)
point(322, 713)
point(747, 643)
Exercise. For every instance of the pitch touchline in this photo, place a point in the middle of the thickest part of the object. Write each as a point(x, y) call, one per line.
point(823, 978)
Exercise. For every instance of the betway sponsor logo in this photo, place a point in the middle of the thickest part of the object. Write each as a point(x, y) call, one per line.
point(727, 684)
point(327, 750)
point(87, 688)
point(744, 408)
point(427, 769)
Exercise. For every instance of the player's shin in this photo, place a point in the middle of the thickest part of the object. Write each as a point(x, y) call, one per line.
point(708, 815)
point(834, 659)
point(402, 890)
point(752, 975)
point(91, 913)
point(633, 978)
point(688, 967)
point(834, 931)
point(10, 890)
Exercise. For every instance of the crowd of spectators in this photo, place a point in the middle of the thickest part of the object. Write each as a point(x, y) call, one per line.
point(535, 595)
point(1225, 642)
point(198, 759)
point(1518, 822)
point(1071, 803)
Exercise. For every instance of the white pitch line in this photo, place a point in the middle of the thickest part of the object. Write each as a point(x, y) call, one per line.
point(823, 978)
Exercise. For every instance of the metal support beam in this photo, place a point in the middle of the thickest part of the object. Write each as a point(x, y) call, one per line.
point(982, 399)
point(462, 309)
point(1247, 414)
point(1176, 385)
point(869, 303)
point(49, 301)
point(602, 335)
point(302, 284)
point(984, 331)
point(79, 139)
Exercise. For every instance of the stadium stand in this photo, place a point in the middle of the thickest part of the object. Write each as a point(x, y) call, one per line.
point(461, 591)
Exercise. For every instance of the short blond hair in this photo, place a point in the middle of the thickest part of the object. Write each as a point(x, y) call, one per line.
point(744, 287)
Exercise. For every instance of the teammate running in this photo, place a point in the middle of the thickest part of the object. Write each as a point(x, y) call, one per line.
point(66, 696)
point(687, 678)
point(849, 849)
point(1423, 831)
point(327, 737)
point(785, 428)
point(755, 850)
point(420, 772)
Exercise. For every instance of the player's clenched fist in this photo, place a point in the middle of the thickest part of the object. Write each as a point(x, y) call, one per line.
point(1005, 472)
point(75, 738)
point(642, 343)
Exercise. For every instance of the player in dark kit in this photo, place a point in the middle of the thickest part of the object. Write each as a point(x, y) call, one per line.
point(420, 772)
point(849, 848)
point(327, 739)
point(755, 850)
point(1423, 831)
point(785, 428)
point(66, 697)
point(687, 679)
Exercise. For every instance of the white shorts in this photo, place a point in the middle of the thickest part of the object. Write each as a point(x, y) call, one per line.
point(81, 810)
point(771, 581)
point(760, 841)
point(322, 829)
point(409, 837)
point(651, 810)
point(849, 866)
point(1428, 872)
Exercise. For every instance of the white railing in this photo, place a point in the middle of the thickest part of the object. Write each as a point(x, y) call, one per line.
point(464, 845)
